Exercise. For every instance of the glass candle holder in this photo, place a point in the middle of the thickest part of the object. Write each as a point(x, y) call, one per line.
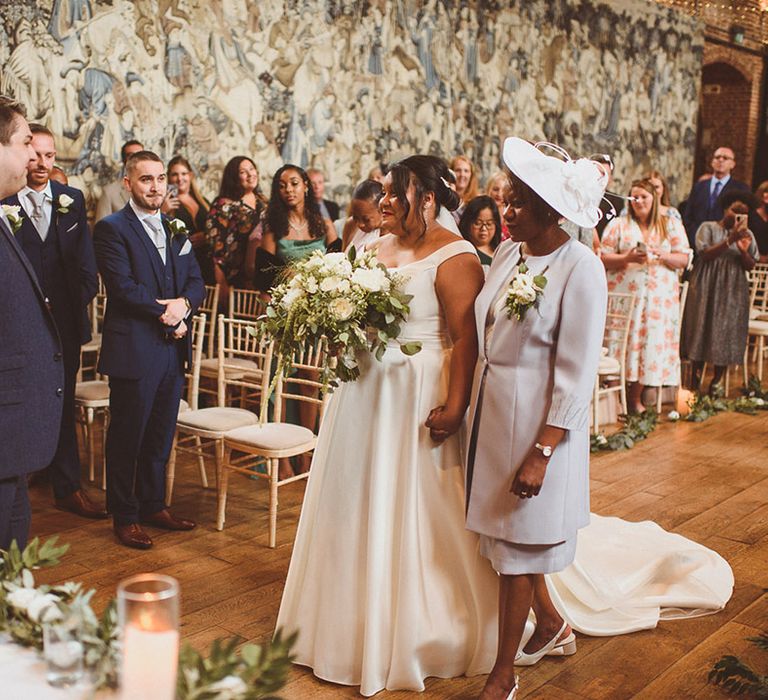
point(63, 651)
point(148, 615)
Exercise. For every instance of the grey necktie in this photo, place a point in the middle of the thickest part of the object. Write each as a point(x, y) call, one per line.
point(39, 217)
point(158, 235)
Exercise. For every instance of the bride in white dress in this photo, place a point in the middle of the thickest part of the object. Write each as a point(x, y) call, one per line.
point(386, 586)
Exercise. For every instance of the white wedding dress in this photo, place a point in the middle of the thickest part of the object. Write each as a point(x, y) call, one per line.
point(386, 587)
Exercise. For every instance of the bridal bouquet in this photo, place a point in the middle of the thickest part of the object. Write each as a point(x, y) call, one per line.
point(352, 303)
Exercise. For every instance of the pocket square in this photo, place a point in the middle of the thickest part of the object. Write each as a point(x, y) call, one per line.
point(186, 248)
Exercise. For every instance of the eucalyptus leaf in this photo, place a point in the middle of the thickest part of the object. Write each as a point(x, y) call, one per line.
point(410, 348)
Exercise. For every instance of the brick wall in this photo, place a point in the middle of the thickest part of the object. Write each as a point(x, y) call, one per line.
point(732, 79)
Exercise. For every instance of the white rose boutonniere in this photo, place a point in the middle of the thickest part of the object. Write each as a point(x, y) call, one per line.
point(13, 214)
point(178, 227)
point(525, 291)
point(63, 203)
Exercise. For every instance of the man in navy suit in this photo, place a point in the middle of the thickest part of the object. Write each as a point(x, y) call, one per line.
point(55, 238)
point(153, 287)
point(31, 367)
point(703, 201)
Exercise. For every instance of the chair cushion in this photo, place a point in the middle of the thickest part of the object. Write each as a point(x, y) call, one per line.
point(217, 419)
point(758, 327)
point(609, 365)
point(183, 406)
point(271, 436)
point(210, 367)
point(95, 391)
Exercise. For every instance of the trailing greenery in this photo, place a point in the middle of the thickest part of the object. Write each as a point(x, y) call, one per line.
point(753, 399)
point(736, 678)
point(254, 672)
point(636, 427)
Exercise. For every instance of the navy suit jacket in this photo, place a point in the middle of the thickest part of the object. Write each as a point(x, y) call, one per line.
point(31, 367)
point(76, 250)
point(133, 337)
point(698, 203)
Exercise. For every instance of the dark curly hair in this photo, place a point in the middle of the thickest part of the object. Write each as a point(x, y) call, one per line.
point(428, 174)
point(230, 180)
point(730, 196)
point(472, 211)
point(277, 210)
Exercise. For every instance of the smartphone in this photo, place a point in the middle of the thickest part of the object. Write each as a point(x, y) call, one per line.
point(173, 191)
point(741, 219)
point(642, 247)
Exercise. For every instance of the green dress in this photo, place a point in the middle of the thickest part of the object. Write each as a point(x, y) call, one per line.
point(291, 250)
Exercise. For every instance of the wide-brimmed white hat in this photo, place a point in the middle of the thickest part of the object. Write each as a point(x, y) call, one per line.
point(573, 188)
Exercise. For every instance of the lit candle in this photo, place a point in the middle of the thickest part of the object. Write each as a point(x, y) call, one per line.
point(150, 661)
point(683, 397)
point(148, 615)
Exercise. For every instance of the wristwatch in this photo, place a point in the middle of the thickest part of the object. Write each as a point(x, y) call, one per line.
point(546, 450)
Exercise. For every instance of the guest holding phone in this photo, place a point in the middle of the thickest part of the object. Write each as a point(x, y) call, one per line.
point(643, 252)
point(716, 319)
point(185, 202)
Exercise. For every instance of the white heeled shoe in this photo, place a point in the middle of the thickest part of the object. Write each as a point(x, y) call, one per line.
point(554, 647)
point(513, 693)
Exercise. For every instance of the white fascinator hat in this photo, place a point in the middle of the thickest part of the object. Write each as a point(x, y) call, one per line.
point(573, 188)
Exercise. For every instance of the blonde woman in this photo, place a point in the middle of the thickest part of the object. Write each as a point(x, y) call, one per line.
point(467, 186)
point(643, 252)
point(495, 190)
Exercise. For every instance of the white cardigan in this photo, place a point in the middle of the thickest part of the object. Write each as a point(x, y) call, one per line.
point(535, 372)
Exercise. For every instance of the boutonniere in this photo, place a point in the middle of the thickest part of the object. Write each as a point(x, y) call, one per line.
point(63, 203)
point(178, 227)
point(11, 212)
point(525, 291)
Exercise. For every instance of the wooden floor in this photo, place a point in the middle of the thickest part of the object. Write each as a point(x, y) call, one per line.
point(707, 481)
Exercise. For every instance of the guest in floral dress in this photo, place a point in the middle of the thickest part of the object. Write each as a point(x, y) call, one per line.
point(643, 253)
point(234, 217)
point(716, 320)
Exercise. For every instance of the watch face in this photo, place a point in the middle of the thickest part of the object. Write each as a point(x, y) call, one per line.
point(547, 451)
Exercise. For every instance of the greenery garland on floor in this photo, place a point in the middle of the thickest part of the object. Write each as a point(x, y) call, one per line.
point(736, 678)
point(638, 426)
point(254, 672)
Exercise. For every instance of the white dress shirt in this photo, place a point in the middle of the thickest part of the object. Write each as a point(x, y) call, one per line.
point(153, 225)
point(29, 208)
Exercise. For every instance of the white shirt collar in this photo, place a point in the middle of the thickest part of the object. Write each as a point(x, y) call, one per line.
point(142, 214)
point(46, 191)
point(722, 180)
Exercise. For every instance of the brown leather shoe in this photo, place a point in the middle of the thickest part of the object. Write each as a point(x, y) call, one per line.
point(133, 536)
point(79, 504)
point(166, 521)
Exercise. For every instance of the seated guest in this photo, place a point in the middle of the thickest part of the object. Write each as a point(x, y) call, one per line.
point(33, 381)
point(114, 196)
point(189, 205)
point(495, 190)
point(716, 317)
point(643, 253)
point(362, 226)
point(234, 217)
point(480, 224)
point(328, 208)
point(758, 220)
point(55, 237)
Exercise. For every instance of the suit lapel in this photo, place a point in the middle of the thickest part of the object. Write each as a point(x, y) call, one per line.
point(499, 274)
point(143, 236)
point(24, 260)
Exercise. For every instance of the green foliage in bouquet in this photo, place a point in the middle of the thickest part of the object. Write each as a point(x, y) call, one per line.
point(255, 673)
point(351, 303)
point(736, 678)
point(636, 427)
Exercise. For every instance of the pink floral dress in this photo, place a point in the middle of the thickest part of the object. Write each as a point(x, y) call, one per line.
point(653, 353)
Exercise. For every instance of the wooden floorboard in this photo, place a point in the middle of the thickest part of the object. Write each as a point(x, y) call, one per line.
point(706, 481)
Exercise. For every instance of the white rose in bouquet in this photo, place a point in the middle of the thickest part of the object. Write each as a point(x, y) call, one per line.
point(291, 297)
point(523, 288)
point(374, 280)
point(329, 284)
point(310, 284)
point(342, 308)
